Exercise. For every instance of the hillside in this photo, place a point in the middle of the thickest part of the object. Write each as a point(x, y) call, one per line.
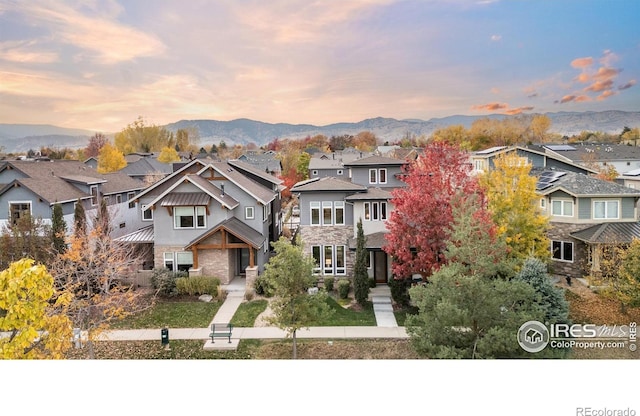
point(22, 137)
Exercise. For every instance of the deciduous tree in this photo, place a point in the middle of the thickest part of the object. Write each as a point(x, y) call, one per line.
point(168, 155)
point(95, 145)
point(290, 273)
point(421, 221)
point(110, 159)
point(30, 313)
point(515, 208)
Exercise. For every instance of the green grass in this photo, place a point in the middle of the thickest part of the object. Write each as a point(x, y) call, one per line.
point(348, 317)
point(401, 315)
point(245, 316)
point(166, 314)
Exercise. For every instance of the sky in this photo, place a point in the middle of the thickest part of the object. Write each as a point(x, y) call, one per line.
point(99, 65)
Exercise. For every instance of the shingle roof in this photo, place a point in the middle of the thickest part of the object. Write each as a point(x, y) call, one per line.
point(578, 184)
point(252, 169)
point(598, 152)
point(373, 241)
point(328, 183)
point(261, 193)
point(615, 232)
point(376, 161)
point(372, 193)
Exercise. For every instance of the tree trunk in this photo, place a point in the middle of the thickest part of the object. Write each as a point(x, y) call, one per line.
point(295, 346)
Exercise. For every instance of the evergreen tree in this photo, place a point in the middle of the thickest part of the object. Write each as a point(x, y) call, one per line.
point(550, 298)
point(360, 275)
point(79, 219)
point(58, 229)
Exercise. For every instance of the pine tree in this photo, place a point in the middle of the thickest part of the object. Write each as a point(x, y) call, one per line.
point(551, 298)
point(79, 219)
point(360, 275)
point(58, 229)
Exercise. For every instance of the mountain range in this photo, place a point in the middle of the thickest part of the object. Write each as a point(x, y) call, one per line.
point(22, 137)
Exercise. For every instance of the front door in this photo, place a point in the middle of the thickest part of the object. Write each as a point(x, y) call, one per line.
point(380, 266)
point(243, 260)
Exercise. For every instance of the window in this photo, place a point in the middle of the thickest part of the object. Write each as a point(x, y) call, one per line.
point(184, 261)
point(329, 260)
point(147, 214)
point(122, 224)
point(373, 176)
point(327, 215)
point(605, 210)
point(542, 203)
point(189, 217)
point(132, 203)
point(562, 208)
point(339, 212)
point(266, 211)
point(382, 176)
point(369, 254)
point(375, 211)
point(479, 165)
point(317, 258)
point(315, 213)
point(562, 250)
point(168, 261)
point(248, 213)
point(106, 199)
point(119, 199)
point(19, 210)
point(94, 194)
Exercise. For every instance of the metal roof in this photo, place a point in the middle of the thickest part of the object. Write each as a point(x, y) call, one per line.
point(609, 233)
point(143, 235)
point(373, 241)
point(185, 199)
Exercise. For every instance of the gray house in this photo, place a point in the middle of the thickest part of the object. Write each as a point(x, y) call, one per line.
point(211, 218)
point(29, 186)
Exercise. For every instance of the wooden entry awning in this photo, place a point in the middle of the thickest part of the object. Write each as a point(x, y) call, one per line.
point(249, 238)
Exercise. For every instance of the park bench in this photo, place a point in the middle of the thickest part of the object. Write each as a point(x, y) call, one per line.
point(220, 331)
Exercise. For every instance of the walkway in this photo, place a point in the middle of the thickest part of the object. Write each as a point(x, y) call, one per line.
point(380, 296)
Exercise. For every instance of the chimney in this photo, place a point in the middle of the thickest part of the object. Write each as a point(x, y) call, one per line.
point(222, 189)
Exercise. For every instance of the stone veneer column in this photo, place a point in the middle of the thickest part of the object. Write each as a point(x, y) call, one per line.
point(252, 275)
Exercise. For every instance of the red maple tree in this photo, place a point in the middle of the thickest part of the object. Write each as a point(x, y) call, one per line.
point(420, 224)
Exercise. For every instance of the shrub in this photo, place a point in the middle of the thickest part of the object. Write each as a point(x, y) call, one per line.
point(198, 285)
point(263, 287)
point(372, 282)
point(328, 283)
point(164, 281)
point(400, 291)
point(343, 288)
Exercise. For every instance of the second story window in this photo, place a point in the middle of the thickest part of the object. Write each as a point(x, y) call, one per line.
point(147, 214)
point(375, 211)
point(378, 176)
point(382, 176)
point(189, 217)
point(94, 194)
point(315, 213)
point(605, 210)
point(249, 213)
point(373, 176)
point(338, 212)
point(562, 208)
point(327, 215)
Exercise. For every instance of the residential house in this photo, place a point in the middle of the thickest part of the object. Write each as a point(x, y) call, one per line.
point(266, 162)
point(333, 164)
point(29, 186)
point(585, 213)
point(213, 218)
point(330, 208)
point(622, 157)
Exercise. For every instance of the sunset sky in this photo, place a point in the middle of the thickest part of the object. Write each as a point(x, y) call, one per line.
point(100, 64)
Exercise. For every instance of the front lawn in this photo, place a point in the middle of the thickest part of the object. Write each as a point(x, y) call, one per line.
point(172, 314)
point(245, 316)
point(348, 317)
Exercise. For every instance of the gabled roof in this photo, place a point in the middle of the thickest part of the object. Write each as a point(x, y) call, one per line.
point(202, 184)
point(252, 169)
point(259, 192)
point(167, 179)
point(236, 227)
point(143, 235)
point(328, 183)
point(318, 163)
point(609, 233)
point(579, 152)
point(376, 161)
point(578, 184)
point(371, 194)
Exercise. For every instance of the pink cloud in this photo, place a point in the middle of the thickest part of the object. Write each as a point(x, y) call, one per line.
point(582, 98)
point(606, 73)
point(600, 86)
point(627, 85)
point(606, 94)
point(490, 106)
point(567, 98)
point(519, 110)
point(582, 62)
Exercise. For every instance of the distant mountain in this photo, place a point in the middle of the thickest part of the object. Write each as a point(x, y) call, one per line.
point(22, 137)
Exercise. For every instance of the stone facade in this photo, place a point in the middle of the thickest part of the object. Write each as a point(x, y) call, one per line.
point(578, 268)
point(335, 235)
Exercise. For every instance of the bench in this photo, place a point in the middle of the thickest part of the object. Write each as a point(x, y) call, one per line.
point(220, 331)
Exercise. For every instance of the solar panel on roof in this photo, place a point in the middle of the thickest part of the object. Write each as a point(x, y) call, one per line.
point(559, 147)
point(491, 150)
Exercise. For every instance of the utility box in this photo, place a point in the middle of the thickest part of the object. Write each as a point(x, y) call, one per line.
point(164, 336)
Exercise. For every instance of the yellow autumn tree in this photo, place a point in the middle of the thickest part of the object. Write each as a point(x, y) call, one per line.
point(32, 313)
point(110, 159)
point(514, 206)
point(168, 155)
